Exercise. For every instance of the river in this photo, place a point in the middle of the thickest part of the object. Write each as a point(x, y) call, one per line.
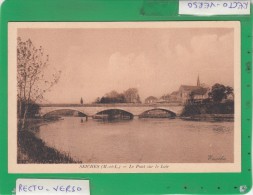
point(141, 140)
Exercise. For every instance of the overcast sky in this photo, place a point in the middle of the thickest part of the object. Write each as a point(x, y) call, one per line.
point(155, 61)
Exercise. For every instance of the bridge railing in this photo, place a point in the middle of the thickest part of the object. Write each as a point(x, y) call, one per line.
point(112, 105)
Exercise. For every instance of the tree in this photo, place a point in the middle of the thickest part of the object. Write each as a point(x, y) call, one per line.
point(129, 96)
point(33, 109)
point(32, 83)
point(81, 101)
point(97, 100)
point(220, 92)
point(112, 97)
point(132, 96)
point(112, 94)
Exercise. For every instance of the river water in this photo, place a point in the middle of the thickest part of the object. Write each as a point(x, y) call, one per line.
point(141, 140)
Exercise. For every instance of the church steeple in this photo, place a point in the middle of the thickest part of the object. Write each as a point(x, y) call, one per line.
point(198, 82)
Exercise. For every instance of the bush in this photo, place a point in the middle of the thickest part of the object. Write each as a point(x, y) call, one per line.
point(211, 108)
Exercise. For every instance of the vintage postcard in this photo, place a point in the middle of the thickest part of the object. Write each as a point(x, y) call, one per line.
point(124, 97)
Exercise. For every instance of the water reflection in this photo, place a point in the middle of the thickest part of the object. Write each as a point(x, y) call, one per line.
point(157, 113)
point(142, 140)
point(113, 115)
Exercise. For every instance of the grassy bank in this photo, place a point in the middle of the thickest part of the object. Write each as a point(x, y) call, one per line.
point(33, 150)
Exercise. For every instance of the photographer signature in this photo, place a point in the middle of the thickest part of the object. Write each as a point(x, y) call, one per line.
point(216, 158)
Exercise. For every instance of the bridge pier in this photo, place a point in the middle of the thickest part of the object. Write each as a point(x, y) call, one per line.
point(135, 117)
point(85, 118)
point(89, 117)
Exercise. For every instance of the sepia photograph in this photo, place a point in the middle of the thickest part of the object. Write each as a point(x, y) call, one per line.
point(124, 97)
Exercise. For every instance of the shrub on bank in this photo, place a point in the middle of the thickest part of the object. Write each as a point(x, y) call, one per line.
point(210, 108)
point(33, 150)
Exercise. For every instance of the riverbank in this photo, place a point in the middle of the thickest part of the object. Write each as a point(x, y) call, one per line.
point(32, 149)
point(34, 123)
point(211, 112)
point(208, 108)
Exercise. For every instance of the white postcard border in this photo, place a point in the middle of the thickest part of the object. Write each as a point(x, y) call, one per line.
point(13, 167)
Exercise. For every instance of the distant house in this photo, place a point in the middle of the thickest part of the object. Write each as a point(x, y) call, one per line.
point(230, 97)
point(175, 97)
point(151, 100)
point(200, 94)
point(187, 92)
point(164, 99)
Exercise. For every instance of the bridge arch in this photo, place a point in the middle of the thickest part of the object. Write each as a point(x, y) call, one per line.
point(112, 113)
point(167, 113)
point(64, 109)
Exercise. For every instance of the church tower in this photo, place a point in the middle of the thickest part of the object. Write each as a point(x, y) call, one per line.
point(198, 82)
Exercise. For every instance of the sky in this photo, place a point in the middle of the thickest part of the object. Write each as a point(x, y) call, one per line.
point(94, 62)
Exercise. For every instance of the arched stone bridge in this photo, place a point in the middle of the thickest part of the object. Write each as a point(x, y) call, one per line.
point(92, 109)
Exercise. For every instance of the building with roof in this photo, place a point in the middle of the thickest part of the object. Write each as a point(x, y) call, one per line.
point(200, 94)
point(186, 92)
point(164, 99)
point(175, 96)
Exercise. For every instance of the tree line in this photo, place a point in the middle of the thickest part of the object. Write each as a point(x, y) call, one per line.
point(220, 92)
point(131, 95)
